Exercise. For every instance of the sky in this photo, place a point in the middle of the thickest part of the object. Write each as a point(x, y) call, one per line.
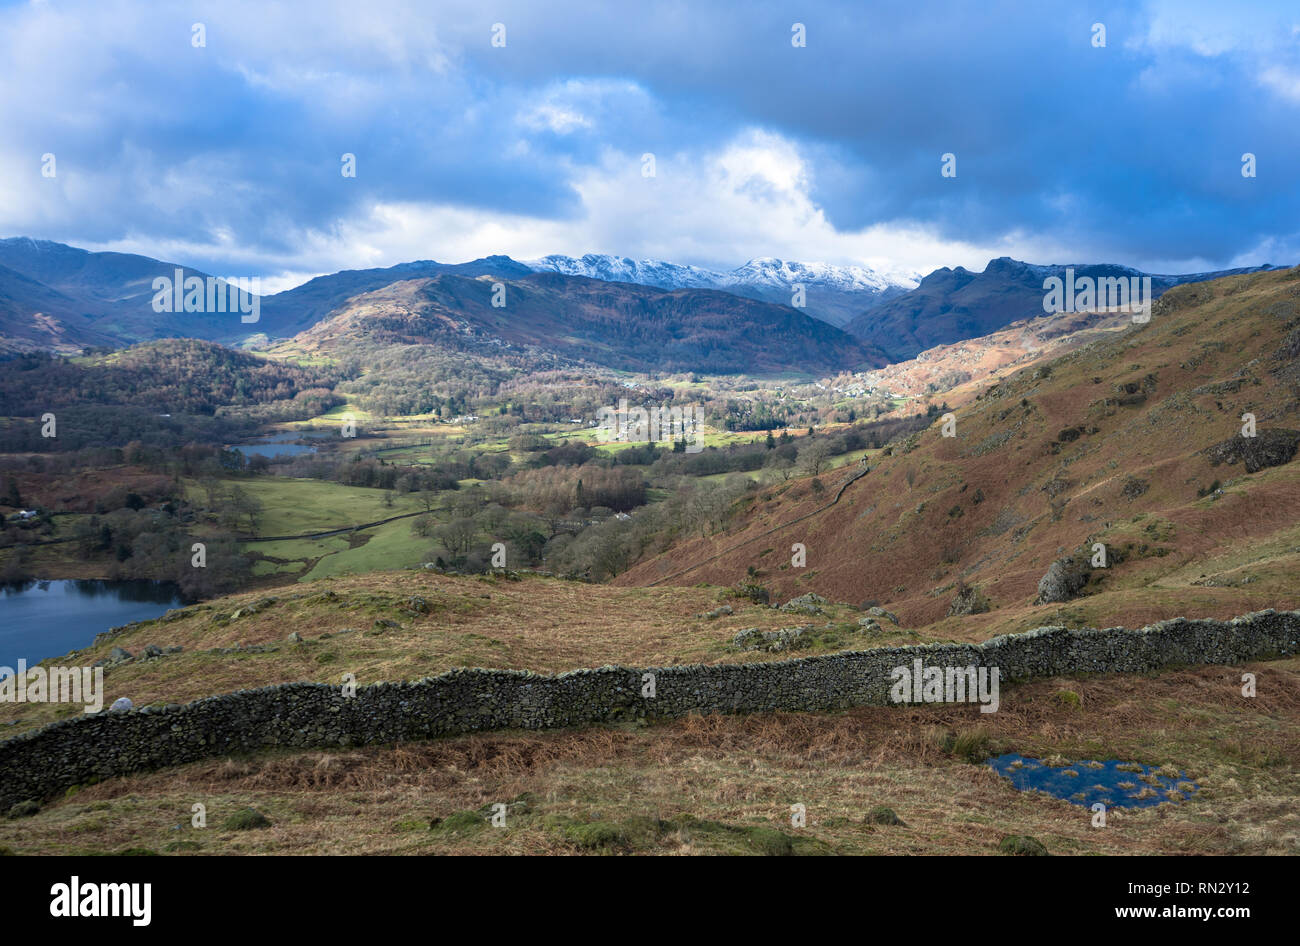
point(228, 155)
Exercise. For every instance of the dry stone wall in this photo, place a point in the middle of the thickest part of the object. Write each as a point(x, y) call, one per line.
point(47, 761)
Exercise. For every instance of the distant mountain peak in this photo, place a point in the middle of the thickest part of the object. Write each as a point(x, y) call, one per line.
point(834, 293)
point(844, 278)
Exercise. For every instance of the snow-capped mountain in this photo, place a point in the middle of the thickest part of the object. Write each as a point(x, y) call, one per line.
point(833, 294)
point(780, 274)
point(646, 272)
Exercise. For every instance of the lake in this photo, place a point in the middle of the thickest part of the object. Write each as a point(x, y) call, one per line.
point(277, 445)
point(40, 619)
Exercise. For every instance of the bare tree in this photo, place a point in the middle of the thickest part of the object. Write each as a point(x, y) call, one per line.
point(815, 457)
point(458, 535)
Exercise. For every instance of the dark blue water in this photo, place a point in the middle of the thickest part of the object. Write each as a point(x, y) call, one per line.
point(276, 445)
point(1083, 784)
point(40, 619)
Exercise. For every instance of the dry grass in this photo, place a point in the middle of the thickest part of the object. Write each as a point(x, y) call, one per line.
point(540, 624)
point(741, 772)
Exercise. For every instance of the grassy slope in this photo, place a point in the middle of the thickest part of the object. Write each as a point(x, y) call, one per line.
point(537, 623)
point(1187, 555)
point(391, 545)
point(298, 506)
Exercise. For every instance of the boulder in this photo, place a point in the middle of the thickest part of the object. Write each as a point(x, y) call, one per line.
point(787, 638)
point(753, 591)
point(1064, 580)
point(804, 604)
point(968, 601)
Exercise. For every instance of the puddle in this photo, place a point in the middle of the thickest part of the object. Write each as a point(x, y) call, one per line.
point(1114, 783)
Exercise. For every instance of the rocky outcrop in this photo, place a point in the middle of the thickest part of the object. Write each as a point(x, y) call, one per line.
point(804, 604)
point(1064, 580)
point(787, 638)
point(1267, 448)
point(968, 600)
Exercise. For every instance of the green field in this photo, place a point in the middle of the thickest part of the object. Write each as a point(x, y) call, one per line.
point(389, 546)
point(385, 547)
point(298, 506)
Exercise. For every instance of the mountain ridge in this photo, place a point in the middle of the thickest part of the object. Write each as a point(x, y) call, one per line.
point(624, 326)
point(951, 304)
point(60, 297)
point(832, 293)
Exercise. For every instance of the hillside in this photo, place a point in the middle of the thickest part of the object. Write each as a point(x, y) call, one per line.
point(954, 304)
point(171, 375)
point(1111, 443)
point(160, 392)
point(294, 310)
point(35, 317)
point(974, 362)
point(617, 325)
point(60, 297)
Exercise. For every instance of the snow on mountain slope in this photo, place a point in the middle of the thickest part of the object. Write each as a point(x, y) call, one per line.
point(775, 273)
point(833, 293)
point(646, 272)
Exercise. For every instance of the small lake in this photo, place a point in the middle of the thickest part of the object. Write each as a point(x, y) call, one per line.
point(1114, 783)
point(40, 619)
point(278, 445)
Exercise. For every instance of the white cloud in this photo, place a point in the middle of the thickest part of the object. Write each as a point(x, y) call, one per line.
point(141, 163)
point(748, 199)
point(1285, 82)
point(717, 209)
point(555, 118)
